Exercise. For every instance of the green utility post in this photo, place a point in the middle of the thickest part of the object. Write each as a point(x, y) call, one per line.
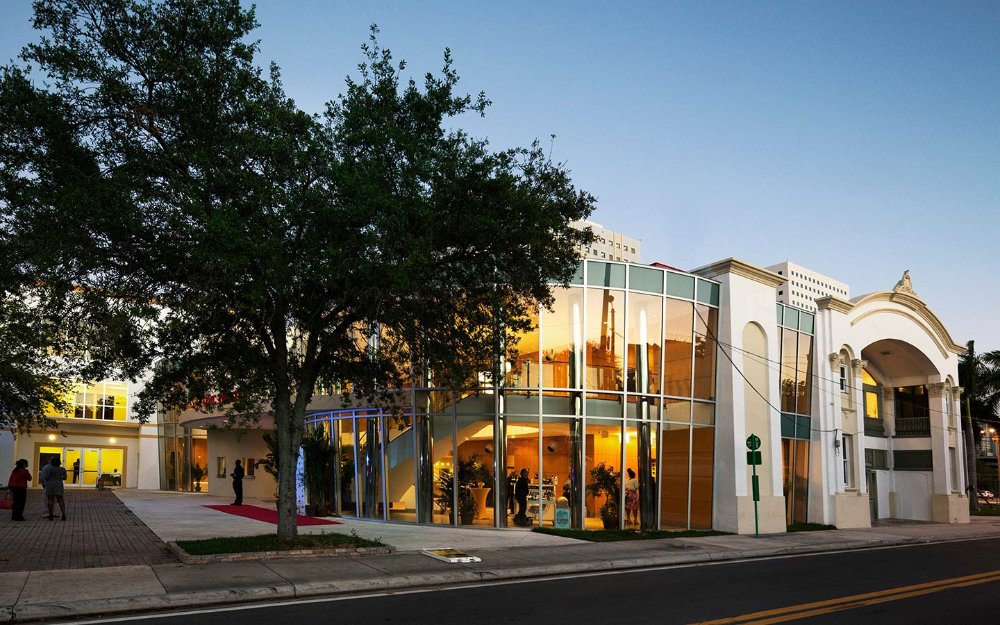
point(753, 459)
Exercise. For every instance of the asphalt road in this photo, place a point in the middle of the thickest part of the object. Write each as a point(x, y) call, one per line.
point(941, 584)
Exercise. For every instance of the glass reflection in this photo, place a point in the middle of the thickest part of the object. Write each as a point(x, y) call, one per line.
point(562, 465)
point(678, 348)
point(605, 339)
point(523, 359)
point(562, 334)
point(442, 444)
point(475, 469)
point(399, 453)
point(639, 481)
point(522, 454)
point(789, 342)
point(603, 448)
point(674, 469)
point(645, 329)
point(702, 476)
point(804, 375)
point(706, 325)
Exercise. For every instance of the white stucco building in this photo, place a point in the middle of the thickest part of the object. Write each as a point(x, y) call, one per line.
point(871, 430)
point(639, 368)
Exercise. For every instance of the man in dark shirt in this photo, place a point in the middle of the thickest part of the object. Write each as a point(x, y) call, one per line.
point(521, 495)
point(238, 483)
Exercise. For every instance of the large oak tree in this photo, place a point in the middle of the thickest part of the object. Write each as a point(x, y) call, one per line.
point(248, 250)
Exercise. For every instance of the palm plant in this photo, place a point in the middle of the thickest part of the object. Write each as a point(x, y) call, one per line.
point(979, 375)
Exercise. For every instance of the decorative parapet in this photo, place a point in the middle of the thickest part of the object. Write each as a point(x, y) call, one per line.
point(918, 310)
point(741, 268)
point(833, 303)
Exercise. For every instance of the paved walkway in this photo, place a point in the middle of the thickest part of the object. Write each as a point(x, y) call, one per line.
point(31, 592)
point(100, 531)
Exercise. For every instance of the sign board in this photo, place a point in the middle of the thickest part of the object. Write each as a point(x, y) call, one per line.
point(562, 518)
point(454, 556)
point(753, 443)
point(753, 457)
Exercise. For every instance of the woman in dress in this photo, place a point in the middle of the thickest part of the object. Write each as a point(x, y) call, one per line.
point(52, 477)
point(18, 485)
point(631, 498)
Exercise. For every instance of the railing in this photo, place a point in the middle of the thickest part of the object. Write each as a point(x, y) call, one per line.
point(874, 427)
point(913, 427)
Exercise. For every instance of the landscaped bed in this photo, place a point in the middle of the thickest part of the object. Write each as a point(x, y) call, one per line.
point(270, 545)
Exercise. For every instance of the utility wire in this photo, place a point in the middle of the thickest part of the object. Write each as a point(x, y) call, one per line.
point(712, 335)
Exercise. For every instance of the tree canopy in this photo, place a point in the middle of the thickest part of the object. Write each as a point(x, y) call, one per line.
point(243, 248)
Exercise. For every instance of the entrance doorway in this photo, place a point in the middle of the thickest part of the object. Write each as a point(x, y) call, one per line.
point(872, 481)
point(85, 465)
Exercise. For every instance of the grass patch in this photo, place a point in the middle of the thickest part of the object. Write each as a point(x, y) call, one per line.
point(604, 536)
point(987, 511)
point(271, 542)
point(809, 527)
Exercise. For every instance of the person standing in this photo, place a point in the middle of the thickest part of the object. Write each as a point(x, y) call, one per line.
point(52, 476)
point(631, 498)
point(511, 502)
point(18, 485)
point(521, 495)
point(238, 482)
point(76, 470)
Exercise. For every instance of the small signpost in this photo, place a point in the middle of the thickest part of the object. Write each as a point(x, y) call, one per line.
point(753, 459)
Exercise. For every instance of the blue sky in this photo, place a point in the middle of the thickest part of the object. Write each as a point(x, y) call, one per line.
point(858, 139)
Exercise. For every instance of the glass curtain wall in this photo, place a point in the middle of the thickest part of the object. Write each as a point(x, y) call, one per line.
point(796, 409)
point(607, 405)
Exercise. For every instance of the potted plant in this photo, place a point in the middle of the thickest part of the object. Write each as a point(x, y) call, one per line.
point(197, 472)
point(606, 482)
point(471, 472)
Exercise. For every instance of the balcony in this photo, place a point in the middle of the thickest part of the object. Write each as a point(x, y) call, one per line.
point(913, 427)
point(874, 427)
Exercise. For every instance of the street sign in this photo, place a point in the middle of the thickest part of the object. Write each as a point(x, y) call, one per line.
point(753, 459)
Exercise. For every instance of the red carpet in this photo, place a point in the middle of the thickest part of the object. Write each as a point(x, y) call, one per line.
point(269, 516)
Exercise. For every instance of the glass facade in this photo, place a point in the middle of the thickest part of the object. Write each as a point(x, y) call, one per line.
point(607, 404)
point(796, 409)
point(107, 401)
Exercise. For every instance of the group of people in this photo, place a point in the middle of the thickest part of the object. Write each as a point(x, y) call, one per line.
point(52, 477)
point(517, 492)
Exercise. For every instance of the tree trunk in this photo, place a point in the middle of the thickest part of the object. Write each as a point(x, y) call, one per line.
point(288, 428)
point(970, 459)
point(970, 439)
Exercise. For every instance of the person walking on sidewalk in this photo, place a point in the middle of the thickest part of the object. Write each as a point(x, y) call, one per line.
point(52, 476)
point(18, 485)
point(238, 483)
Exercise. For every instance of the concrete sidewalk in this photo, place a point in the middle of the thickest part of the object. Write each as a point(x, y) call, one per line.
point(506, 554)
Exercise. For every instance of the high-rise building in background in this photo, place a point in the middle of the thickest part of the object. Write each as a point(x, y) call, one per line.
point(803, 286)
point(610, 245)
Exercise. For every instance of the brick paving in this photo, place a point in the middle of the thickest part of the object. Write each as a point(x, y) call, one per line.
point(99, 531)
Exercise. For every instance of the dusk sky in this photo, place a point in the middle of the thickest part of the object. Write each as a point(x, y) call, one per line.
point(858, 139)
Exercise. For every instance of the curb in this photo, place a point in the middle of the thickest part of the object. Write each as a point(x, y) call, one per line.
point(168, 601)
point(187, 558)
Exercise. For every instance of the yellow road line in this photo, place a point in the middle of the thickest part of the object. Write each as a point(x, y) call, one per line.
point(805, 610)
